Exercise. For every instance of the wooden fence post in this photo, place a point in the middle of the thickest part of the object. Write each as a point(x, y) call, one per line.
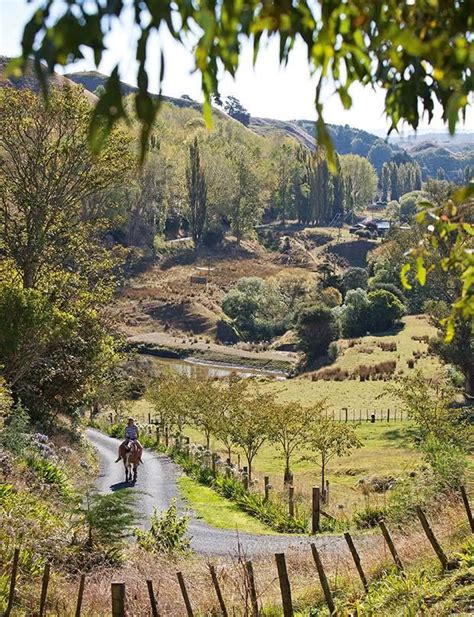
point(291, 501)
point(346, 414)
point(432, 539)
point(80, 595)
point(284, 585)
point(219, 595)
point(323, 580)
point(44, 589)
point(151, 595)
point(356, 558)
point(388, 415)
point(327, 492)
point(467, 507)
point(266, 485)
point(252, 588)
point(316, 510)
point(391, 546)
point(184, 593)
point(149, 418)
point(118, 599)
point(11, 594)
point(167, 437)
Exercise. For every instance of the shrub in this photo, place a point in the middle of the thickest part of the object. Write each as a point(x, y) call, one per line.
point(355, 278)
point(385, 310)
point(331, 297)
point(368, 517)
point(213, 235)
point(109, 520)
point(355, 313)
point(50, 473)
point(388, 346)
point(317, 326)
point(15, 436)
point(167, 533)
point(396, 291)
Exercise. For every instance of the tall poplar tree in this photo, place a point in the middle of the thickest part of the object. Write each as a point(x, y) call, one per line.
point(197, 193)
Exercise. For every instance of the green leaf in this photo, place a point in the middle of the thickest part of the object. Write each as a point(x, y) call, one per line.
point(420, 270)
point(403, 276)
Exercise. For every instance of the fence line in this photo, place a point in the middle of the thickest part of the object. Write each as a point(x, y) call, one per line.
point(118, 590)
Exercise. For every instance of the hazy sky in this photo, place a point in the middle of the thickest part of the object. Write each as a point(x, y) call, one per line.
point(266, 90)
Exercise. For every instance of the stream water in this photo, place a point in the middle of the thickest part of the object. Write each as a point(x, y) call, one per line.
point(200, 369)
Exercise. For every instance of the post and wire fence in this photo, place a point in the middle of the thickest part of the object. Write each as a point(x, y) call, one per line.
point(122, 604)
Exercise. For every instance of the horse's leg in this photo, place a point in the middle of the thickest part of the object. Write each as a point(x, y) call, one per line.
point(135, 466)
point(125, 467)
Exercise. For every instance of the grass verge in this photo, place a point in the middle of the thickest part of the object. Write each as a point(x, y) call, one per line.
point(218, 511)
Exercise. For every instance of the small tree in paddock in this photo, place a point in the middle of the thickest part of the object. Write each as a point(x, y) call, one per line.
point(169, 397)
point(250, 425)
point(205, 400)
point(330, 439)
point(231, 396)
point(291, 429)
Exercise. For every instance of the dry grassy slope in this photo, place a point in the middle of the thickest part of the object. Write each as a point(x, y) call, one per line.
point(163, 298)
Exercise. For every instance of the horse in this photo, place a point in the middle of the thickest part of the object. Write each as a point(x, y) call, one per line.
point(131, 460)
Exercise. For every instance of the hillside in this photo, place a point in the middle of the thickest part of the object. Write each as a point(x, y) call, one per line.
point(91, 80)
point(431, 151)
point(29, 81)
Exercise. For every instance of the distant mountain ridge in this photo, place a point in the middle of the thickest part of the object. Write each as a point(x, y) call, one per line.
point(431, 155)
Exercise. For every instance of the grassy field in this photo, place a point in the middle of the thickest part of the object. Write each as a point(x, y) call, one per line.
point(386, 450)
point(362, 397)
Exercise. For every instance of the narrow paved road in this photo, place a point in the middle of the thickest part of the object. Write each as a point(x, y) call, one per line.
point(157, 486)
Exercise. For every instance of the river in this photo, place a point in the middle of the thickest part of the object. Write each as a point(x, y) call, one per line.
point(202, 369)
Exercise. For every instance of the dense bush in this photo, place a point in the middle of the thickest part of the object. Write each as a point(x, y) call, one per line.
point(256, 308)
point(363, 312)
point(396, 291)
point(384, 310)
point(355, 278)
point(317, 326)
point(354, 313)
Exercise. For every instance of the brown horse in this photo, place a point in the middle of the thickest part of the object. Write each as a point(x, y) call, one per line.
point(131, 459)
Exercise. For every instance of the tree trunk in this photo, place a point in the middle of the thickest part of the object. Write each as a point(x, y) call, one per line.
point(469, 384)
point(287, 477)
point(323, 476)
point(208, 440)
point(249, 464)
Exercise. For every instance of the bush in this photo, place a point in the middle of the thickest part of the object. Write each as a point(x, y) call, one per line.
point(167, 533)
point(385, 310)
point(213, 235)
point(15, 436)
point(109, 520)
point(257, 309)
point(368, 517)
point(331, 297)
point(355, 278)
point(396, 291)
point(50, 473)
point(317, 326)
point(355, 313)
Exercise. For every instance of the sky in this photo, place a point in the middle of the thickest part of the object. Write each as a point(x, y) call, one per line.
point(266, 90)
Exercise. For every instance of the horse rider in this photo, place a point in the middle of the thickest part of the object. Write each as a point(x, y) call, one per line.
point(131, 435)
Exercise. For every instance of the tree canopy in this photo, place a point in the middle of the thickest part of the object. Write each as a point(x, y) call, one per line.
point(418, 53)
